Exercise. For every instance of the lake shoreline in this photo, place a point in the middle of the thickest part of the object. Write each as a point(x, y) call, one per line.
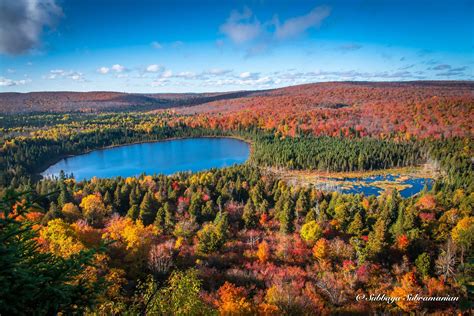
point(38, 175)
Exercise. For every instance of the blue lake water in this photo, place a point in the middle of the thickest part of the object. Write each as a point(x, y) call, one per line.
point(165, 157)
point(415, 185)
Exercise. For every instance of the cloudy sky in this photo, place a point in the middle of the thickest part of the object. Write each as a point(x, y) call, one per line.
point(195, 46)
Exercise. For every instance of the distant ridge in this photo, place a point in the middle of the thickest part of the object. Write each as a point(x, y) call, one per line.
point(332, 94)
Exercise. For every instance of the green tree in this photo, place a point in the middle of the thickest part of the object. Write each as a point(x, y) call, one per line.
point(52, 213)
point(195, 207)
point(180, 297)
point(423, 264)
point(147, 209)
point(463, 235)
point(33, 282)
point(311, 232)
point(213, 235)
point(286, 214)
point(169, 219)
point(377, 238)
point(356, 226)
point(134, 212)
point(302, 204)
point(64, 195)
point(249, 215)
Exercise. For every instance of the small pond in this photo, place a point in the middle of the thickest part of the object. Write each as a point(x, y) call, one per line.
point(375, 185)
point(164, 157)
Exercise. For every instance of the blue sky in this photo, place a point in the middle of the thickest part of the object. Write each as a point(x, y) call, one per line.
point(196, 46)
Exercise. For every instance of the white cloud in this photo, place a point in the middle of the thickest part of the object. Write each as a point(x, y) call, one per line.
point(55, 73)
point(153, 68)
point(103, 70)
point(159, 82)
point(217, 72)
point(60, 73)
point(186, 75)
point(240, 27)
point(6, 82)
point(243, 28)
point(296, 26)
point(118, 68)
point(76, 76)
point(167, 74)
point(249, 75)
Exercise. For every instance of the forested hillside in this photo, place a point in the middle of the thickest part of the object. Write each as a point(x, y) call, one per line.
point(238, 240)
point(404, 109)
point(419, 109)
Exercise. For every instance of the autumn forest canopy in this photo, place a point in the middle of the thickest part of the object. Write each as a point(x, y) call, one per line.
point(239, 240)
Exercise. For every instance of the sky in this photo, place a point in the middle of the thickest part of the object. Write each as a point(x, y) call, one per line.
point(149, 46)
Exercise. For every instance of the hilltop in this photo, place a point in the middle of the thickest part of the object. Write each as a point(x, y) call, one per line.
point(328, 94)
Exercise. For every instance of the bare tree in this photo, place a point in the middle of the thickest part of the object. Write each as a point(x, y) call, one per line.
point(160, 258)
point(446, 262)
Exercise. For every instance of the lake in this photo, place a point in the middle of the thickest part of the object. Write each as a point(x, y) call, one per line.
point(163, 157)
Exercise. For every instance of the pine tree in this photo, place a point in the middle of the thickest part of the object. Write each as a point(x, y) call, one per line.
point(134, 198)
point(249, 215)
point(51, 282)
point(133, 212)
point(64, 195)
point(107, 198)
point(169, 220)
point(302, 204)
point(160, 218)
point(356, 226)
point(52, 213)
point(221, 223)
point(208, 210)
point(377, 238)
point(147, 209)
point(195, 207)
point(287, 217)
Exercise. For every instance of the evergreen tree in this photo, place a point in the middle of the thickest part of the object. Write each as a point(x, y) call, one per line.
point(356, 226)
point(134, 212)
point(147, 209)
point(249, 215)
point(52, 213)
point(35, 282)
point(302, 204)
point(287, 217)
point(195, 207)
point(108, 198)
point(377, 238)
point(64, 195)
point(160, 218)
point(169, 219)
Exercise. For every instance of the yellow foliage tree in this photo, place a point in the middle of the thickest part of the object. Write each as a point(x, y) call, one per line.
point(463, 235)
point(408, 286)
point(133, 240)
point(60, 238)
point(321, 249)
point(71, 212)
point(94, 209)
point(263, 251)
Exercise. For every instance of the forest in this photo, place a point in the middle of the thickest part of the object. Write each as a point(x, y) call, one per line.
point(237, 240)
